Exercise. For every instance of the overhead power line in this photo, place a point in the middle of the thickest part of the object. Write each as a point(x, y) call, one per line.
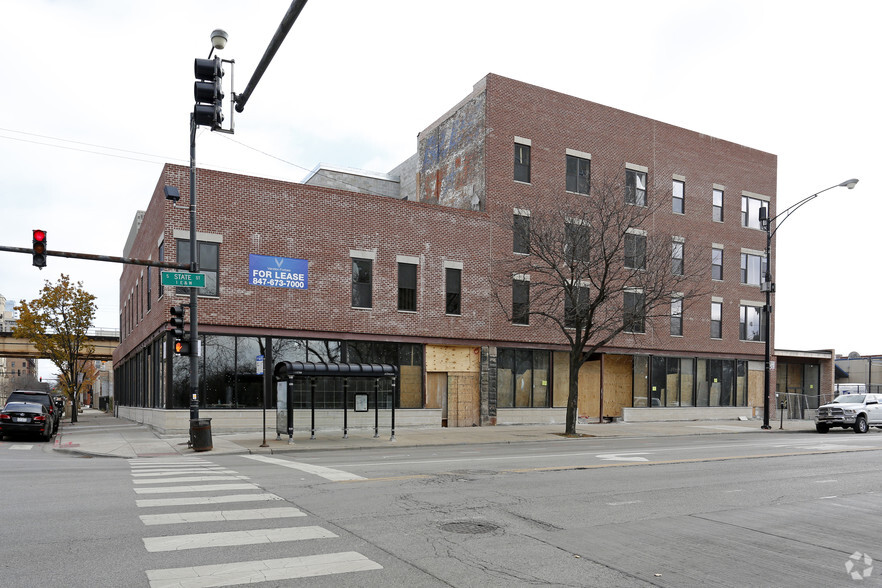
point(108, 152)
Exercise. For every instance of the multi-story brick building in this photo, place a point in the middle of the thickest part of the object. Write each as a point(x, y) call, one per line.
point(399, 268)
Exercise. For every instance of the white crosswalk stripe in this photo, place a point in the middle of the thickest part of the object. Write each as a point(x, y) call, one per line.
point(228, 538)
point(194, 475)
point(187, 479)
point(194, 500)
point(222, 515)
point(270, 570)
point(204, 487)
point(176, 472)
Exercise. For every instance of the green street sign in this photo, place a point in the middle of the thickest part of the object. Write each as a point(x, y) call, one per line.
point(185, 279)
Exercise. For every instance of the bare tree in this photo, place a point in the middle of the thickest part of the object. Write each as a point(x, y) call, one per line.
point(598, 265)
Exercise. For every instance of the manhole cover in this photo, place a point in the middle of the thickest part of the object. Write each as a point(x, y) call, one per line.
point(469, 527)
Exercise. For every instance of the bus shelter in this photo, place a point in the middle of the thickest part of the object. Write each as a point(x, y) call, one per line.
point(287, 373)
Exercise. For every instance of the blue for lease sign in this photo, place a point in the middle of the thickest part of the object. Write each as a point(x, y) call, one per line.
point(279, 272)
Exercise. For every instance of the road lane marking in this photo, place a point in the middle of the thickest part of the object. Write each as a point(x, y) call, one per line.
point(188, 479)
point(199, 488)
point(185, 462)
point(194, 500)
point(21, 447)
point(624, 503)
point(269, 570)
point(327, 473)
point(222, 515)
point(673, 461)
point(235, 538)
point(622, 456)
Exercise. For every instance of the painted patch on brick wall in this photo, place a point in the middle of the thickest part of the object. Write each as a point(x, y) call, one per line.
point(451, 157)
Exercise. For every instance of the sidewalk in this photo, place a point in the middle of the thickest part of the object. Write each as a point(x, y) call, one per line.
point(99, 434)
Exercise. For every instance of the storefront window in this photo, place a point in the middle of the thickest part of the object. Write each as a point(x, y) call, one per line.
point(505, 378)
point(641, 381)
point(523, 378)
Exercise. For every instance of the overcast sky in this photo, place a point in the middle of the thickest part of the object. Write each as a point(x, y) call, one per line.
point(97, 96)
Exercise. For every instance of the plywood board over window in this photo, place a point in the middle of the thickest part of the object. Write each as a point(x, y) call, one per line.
point(617, 386)
point(449, 358)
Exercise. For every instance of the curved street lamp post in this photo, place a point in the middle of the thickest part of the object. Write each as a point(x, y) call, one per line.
point(768, 286)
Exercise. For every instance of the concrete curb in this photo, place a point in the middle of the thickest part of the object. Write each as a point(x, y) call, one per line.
point(101, 435)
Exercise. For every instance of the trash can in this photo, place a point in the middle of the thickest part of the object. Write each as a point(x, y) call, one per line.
point(200, 434)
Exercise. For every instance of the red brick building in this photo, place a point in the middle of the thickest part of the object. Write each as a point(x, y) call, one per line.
point(402, 267)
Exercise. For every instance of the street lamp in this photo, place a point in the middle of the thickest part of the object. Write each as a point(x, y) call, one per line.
point(768, 286)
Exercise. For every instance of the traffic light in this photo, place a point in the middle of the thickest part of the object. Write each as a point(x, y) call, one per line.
point(209, 93)
point(182, 347)
point(39, 248)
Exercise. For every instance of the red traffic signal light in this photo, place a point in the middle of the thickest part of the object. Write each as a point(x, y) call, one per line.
point(39, 245)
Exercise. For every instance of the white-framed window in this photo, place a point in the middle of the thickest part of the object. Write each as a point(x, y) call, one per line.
point(716, 319)
point(635, 249)
point(677, 315)
point(753, 267)
point(453, 288)
point(521, 231)
point(635, 184)
point(678, 201)
point(718, 194)
point(677, 244)
point(209, 264)
point(576, 302)
point(578, 172)
point(750, 209)
point(634, 311)
point(751, 324)
point(520, 300)
point(522, 159)
point(717, 262)
point(577, 235)
point(362, 278)
point(407, 283)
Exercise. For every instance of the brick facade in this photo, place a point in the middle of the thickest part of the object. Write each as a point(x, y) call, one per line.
point(464, 191)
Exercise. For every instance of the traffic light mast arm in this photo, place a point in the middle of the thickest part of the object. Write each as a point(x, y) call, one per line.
point(109, 258)
point(274, 44)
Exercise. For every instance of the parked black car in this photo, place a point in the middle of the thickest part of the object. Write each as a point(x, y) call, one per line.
point(25, 418)
point(39, 397)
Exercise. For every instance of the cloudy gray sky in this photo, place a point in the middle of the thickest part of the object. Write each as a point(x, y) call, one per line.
point(97, 95)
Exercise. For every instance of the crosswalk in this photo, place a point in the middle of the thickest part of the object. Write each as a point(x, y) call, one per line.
point(169, 491)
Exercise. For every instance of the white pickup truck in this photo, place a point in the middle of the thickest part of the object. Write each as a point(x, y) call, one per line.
point(855, 411)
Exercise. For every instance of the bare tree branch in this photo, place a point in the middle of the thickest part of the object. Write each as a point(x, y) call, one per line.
point(597, 267)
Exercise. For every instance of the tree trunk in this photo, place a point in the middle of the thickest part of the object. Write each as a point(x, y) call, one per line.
point(74, 409)
point(573, 396)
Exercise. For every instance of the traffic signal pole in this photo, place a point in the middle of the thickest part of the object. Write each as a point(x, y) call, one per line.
point(194, 268)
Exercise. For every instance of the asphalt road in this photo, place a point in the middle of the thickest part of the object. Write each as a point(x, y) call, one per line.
point(717, 510)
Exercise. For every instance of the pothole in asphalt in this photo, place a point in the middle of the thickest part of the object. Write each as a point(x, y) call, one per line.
point(469, 527)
